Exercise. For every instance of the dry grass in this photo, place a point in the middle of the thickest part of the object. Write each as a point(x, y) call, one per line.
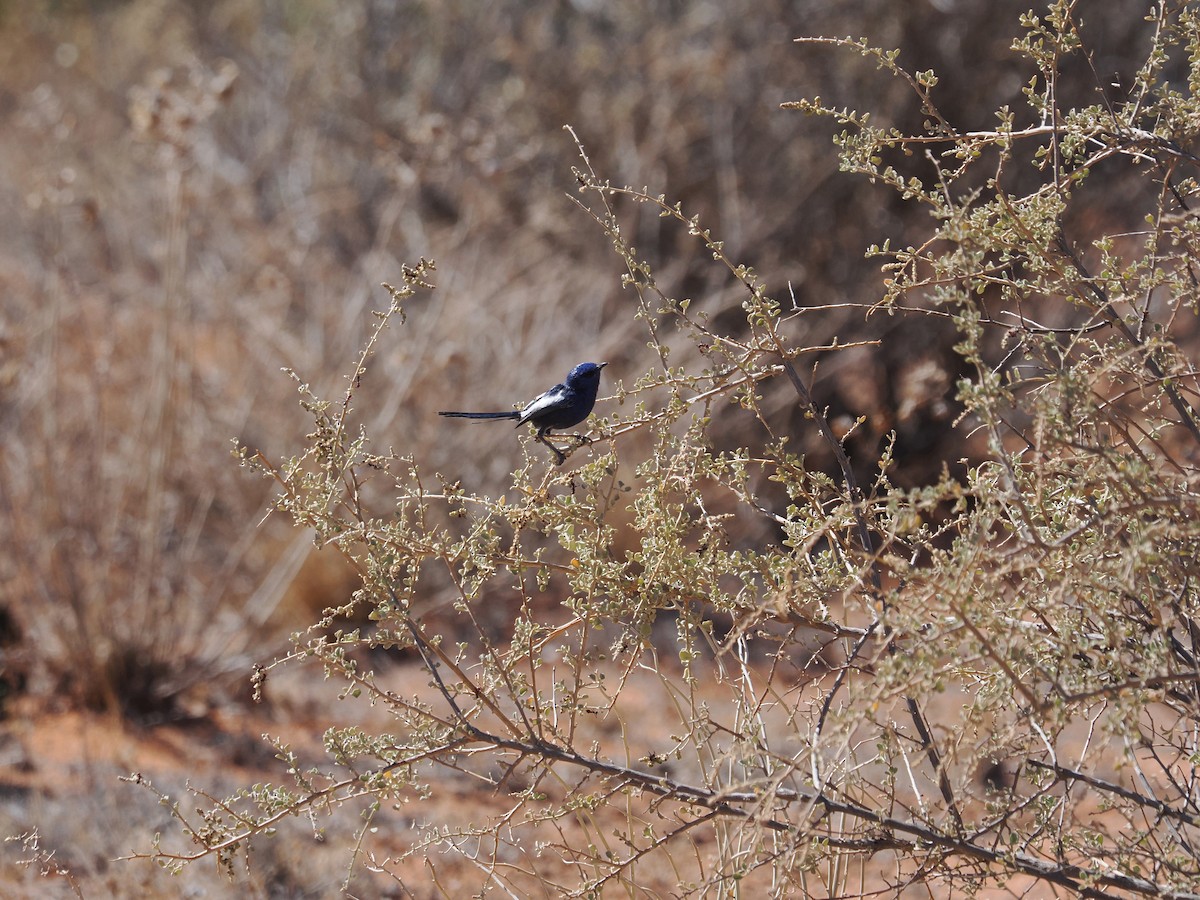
point(202, 195)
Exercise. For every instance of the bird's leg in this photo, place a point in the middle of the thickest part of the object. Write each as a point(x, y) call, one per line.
point(558, 454)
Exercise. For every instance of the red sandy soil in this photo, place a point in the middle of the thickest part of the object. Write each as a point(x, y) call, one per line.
point(62, 774)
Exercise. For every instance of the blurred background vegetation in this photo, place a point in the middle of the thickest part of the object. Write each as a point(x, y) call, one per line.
point(201, 194)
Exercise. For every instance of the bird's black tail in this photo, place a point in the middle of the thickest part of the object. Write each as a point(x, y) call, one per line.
point(474, 415)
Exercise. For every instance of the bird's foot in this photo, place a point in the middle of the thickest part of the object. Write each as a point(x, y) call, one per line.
point(560, 454)
point(578, 440)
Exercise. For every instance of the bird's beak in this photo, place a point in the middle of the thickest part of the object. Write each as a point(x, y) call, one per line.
point(603, 364)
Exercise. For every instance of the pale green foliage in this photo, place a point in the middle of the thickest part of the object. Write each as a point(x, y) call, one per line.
point(1037, 616)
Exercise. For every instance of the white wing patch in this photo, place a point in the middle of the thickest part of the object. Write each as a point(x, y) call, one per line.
point(551, 397)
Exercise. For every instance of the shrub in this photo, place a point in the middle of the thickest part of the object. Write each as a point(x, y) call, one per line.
point(992, 677)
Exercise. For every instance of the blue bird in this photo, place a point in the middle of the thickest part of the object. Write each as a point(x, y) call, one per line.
point(563, 406)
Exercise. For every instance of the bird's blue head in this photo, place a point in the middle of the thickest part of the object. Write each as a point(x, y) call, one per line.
point(585, 373)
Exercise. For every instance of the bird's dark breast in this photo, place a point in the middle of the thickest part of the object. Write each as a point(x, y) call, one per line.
point(564, 418)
